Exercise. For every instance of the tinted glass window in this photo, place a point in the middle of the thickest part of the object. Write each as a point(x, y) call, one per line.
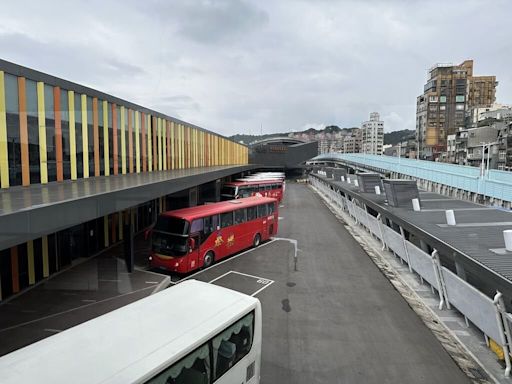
point(262, 210)
point(239, 216)
point(226, 219)
point(232, 344)
point(271, 208)
point(171, 225)
point(193, 368)
point(210, 224)
point(252, 213)
point(197, 226)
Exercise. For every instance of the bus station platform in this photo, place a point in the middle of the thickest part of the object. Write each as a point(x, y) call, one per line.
point(87, 289)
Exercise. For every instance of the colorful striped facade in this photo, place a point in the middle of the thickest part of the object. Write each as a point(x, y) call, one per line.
point(52, 130)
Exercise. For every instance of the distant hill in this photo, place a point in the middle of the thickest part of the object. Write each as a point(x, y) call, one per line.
point(398, 136)
point(389, 138)
point(248, 139)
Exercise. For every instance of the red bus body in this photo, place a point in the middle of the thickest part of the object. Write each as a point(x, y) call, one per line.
point(240, 189)
point(182, 238)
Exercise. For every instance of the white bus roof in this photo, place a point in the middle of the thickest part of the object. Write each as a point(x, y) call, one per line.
point(132, 343)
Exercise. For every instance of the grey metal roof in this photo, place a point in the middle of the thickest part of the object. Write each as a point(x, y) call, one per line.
point(474, 242)
point(29, 212)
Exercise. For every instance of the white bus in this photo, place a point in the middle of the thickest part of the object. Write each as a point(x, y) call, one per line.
point(193, 333)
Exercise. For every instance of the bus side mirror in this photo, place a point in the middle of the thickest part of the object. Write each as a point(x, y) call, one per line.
point(192, 244)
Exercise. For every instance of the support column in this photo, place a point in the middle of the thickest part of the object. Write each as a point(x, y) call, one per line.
point(128, 242)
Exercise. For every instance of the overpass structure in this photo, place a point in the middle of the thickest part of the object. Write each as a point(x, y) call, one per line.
point(464, 182)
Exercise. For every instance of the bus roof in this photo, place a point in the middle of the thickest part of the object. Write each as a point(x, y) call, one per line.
point(132, 343)
point(239, 183)
point(215, 208)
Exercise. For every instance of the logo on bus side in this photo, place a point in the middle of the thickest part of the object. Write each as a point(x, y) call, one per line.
point(218, 241)
point(231, 240)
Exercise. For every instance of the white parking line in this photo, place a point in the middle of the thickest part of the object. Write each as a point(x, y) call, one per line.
point(262, 288)
point(261, 280)
point(228, 259)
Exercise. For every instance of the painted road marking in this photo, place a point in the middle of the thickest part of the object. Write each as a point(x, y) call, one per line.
point(259, 280)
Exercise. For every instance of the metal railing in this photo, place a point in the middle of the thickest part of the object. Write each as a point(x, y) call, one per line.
point(496, 184)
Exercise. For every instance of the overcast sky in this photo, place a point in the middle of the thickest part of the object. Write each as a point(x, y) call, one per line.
point(233, 66)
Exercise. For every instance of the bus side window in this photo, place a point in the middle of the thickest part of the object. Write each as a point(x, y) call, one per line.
point(193, 368)
point(240, 216)
point(197, 226)
point(210, 225)
point(262, 210)
point(252, 213)
point(244, 192)
point(226, 219)
point(232, 345)
point(271, 208)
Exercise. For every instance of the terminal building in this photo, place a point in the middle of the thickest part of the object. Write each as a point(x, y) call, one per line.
point(78, 167)
point(282, 153)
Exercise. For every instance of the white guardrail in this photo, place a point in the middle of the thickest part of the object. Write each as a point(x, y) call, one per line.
point(486, 314)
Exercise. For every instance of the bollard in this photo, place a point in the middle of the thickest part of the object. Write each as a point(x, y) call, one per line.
point(377, 190)
point(342, 178)
point(356, 182)
point(450, 217)
point(507, 235)
point(416, 205)
point(348, 180)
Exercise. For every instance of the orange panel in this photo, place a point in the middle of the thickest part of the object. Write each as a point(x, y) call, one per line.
point(95, 130)
point(58, 133)
point(114, 138)
point(155, 145)
point(15, 270)
point(22, 100)
point(143, 131)
point(130, 140)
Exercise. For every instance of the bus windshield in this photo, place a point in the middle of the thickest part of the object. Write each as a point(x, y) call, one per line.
point(228, 191)
point(168, 244)
point(169, 236)
point(171, 225)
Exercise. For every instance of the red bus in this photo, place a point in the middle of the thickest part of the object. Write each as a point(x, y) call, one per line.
point(245, 188)
point(190, 238)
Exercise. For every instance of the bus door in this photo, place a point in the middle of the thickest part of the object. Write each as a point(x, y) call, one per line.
point(262, 215)
point(193, 243)
point(271, 219)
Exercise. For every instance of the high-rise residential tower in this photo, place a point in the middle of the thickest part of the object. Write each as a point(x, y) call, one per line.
point(373, 135)
point(450, 92)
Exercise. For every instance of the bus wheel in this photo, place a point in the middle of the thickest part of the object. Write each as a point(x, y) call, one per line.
point(208, 259)
point(257, 240)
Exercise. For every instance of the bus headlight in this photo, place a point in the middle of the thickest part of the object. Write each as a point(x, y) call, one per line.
point(150, 258)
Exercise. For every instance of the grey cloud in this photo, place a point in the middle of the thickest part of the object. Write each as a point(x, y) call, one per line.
point(208, 22)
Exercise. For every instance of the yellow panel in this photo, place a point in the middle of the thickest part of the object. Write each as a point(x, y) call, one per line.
point(171, 143)
point(46, 264)
point(4, 162)
point(72, 133)
point(137, 142)
point(41, 119)
point(105, 138)
point(123, 142)
point(31, 264)
point(150, 145)
point(105, 229)
point(85, 136)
